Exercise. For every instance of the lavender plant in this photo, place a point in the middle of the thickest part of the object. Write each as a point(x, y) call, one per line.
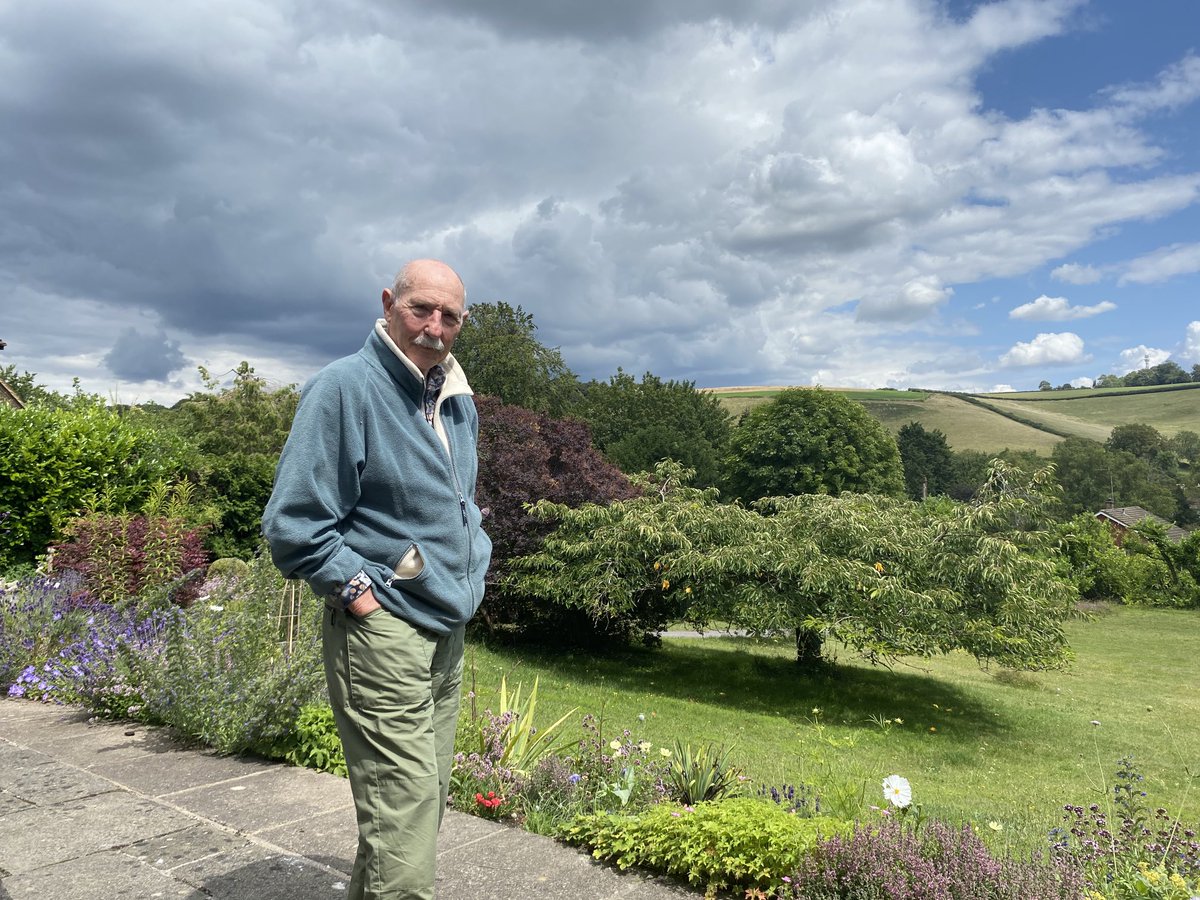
point(937, 862)
point(226, 675)
point(38, 616)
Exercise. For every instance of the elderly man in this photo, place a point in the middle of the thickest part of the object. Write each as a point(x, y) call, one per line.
point(374, 506)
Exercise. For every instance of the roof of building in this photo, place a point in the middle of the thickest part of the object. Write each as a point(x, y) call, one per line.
point(1128, 516)
point(9, 396)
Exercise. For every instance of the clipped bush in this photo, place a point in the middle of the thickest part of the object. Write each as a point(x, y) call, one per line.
point(228, 567)
point(741, 844)
point(53, 459)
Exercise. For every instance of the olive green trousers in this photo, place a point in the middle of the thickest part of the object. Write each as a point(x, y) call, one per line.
point(395, 692)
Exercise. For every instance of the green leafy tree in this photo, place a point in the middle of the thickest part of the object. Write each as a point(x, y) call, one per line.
point(811, 441)
point(1185, 445)
point(638, 424)
point(238, 432)
point(1170, 372)
point(1181, 559)
point(499, 350)
point(968, 472)
point(1108, 381)
point(26, 386)
point(927, 459)
point(886, 576)
point(1091, 476)
point(1196, 372)
point(1143, 441)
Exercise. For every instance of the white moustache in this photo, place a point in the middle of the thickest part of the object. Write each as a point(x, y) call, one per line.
point(429, 342)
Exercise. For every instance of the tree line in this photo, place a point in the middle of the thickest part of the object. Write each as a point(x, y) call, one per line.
point(1168, 372)
point(618, 506)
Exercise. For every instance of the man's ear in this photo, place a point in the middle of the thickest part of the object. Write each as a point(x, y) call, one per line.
point(387, 299)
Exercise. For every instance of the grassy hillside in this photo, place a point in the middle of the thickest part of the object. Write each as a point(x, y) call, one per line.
point(967, 426)
point(1024, 421)
point(1095, 415)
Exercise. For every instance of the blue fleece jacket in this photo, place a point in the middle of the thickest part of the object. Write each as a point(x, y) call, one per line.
point(363, 479)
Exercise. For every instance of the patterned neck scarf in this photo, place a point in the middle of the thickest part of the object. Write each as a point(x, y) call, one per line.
point(433, 387)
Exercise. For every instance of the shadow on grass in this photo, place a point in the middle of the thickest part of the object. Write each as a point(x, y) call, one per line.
point(761, 677)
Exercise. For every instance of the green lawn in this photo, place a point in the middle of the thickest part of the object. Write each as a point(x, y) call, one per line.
point(985, 746)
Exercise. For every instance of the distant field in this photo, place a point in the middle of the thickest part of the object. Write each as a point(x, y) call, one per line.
point(1089, 392)
point(1096, 415)
point(739, 399)
point(966, 426)
point(990, 424)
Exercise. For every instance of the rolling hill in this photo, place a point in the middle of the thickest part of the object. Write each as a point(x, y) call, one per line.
point(1027, 421)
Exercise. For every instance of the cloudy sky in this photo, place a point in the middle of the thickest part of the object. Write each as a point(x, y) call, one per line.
point(938, 193)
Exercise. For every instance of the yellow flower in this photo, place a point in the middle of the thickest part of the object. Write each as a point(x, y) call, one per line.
point(933, 728)
point(657, 566)
point(995, 826)
point(664, 751)
point(666, 584)
point(879, 567)
point(898, 721)
point(687, 590)
point(614, 745)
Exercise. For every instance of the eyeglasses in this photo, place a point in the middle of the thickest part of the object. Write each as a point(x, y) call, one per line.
point(423, 311)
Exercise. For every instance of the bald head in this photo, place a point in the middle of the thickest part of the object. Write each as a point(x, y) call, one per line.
point(424, 311)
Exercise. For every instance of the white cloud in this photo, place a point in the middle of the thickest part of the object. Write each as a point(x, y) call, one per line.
point(1057, 309)
point(1082, 382)
point(917, 299)
point(1046, 350)
point(1191, 343)
point(1140, 357)
point(1074, 273)
point(699, 188)
point(1163, 264)
point(1177, 85)
point(1002, 389)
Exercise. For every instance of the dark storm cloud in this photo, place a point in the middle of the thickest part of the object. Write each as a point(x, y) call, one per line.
point(629, 19)
point(693, 187)
point(144, 357)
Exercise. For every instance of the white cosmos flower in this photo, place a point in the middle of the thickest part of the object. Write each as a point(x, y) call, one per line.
point(897, 791)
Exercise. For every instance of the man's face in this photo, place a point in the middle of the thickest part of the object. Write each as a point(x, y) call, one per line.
point(425, 319)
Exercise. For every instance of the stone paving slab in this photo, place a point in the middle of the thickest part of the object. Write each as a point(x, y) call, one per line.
point(265, 799)
point(45, 835)
point(257, 873)
point(330, 838)
point(95, 877)
point(95, 810)
point(176, 771)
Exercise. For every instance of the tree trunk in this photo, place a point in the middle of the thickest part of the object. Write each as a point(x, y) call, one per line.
point(808, 648)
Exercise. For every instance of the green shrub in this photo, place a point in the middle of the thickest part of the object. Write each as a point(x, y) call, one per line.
point(314, 742)
point(228, 567)
point(53, 459)
point(739, 844)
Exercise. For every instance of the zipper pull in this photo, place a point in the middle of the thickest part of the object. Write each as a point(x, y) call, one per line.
point(462, 505)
